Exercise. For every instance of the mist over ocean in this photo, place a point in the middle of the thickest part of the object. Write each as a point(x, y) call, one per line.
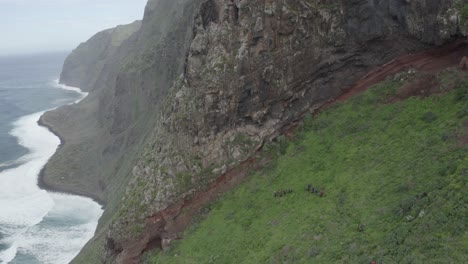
point(36, 226)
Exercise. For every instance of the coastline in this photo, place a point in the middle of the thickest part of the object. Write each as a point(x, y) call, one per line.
point(41, 179)
point(55, 187)
point(37, 223)
point(35, 219)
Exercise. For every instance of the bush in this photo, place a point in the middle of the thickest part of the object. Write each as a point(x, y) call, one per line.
point(448, 169)
point(308, 121)
point(461, 93)
point(464, 12)
point(283, 144)
point(463, 112)
point(429, 117)
point(406, 205)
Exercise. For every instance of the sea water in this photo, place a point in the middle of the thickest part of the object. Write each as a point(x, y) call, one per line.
point(36, 226)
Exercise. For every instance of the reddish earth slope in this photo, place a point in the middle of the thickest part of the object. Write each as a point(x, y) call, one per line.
point(429, 61)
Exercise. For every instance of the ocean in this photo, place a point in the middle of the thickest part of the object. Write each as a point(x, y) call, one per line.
point(36, 226)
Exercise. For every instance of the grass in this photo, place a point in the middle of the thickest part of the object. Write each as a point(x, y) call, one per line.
point(395, 177)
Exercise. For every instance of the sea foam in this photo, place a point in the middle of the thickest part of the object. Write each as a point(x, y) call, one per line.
point(49, 227)
point(57, 84)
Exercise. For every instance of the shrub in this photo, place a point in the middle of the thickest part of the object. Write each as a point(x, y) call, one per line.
point(463, 112)
point(461, 94)
point(406, 205)
point(283, 144)
point(464, 12)
point(429, 117)
point(448, 169)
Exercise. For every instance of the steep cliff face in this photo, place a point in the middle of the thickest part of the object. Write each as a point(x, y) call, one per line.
point(82, 127)
point(84, 65)
point(113, 120)
point(255, 67)
point(204, 84)
point(104, 133)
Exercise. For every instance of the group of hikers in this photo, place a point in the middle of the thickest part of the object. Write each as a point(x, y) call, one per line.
point(310, 189)
point(282, 192)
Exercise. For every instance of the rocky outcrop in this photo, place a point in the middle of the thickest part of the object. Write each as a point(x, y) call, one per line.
point(84, 65)
point(193, 94)
point(255, 67)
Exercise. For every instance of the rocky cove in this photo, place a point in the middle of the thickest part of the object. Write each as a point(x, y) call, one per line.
point(179, 105)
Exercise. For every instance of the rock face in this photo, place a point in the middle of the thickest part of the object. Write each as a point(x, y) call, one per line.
point(202, 85)
point(104, 134)
point(84, 65)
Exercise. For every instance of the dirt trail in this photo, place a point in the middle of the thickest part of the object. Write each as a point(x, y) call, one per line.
point(170, 223)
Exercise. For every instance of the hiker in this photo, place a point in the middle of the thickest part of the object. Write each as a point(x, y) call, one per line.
point(463, 63)
point(311, 188)
point(361, 227)
point(422, 195)
point(282, 192)
point(278, 193)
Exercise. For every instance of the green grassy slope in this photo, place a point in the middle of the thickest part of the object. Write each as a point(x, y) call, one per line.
point(396, 183)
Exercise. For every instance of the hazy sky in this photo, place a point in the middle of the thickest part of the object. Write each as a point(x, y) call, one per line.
point(35, 26)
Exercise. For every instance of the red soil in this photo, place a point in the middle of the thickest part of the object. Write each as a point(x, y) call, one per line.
point(430, 61)
point(423, 85)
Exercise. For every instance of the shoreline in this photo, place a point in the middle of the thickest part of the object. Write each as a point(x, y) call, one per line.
point(28, 208)
point(41, 182)
point(38, 213)
point(55, 188)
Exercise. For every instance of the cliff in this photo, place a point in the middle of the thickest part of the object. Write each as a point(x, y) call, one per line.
point(84, 65)
point(201, 86)
point(104, 133)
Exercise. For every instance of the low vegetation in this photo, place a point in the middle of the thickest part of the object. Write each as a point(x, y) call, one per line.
point(394, 178)
point(464, 12)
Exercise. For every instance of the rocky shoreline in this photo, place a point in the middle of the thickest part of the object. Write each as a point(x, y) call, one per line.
point(56, 187)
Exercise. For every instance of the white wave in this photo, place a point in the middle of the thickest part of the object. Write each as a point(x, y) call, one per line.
point(8, 163)
point(57, 84)
point(21, 201)
point(45, 240)
point(26, 209)
point(9, 254)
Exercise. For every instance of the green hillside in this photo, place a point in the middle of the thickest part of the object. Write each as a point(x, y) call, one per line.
point(395, 177)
